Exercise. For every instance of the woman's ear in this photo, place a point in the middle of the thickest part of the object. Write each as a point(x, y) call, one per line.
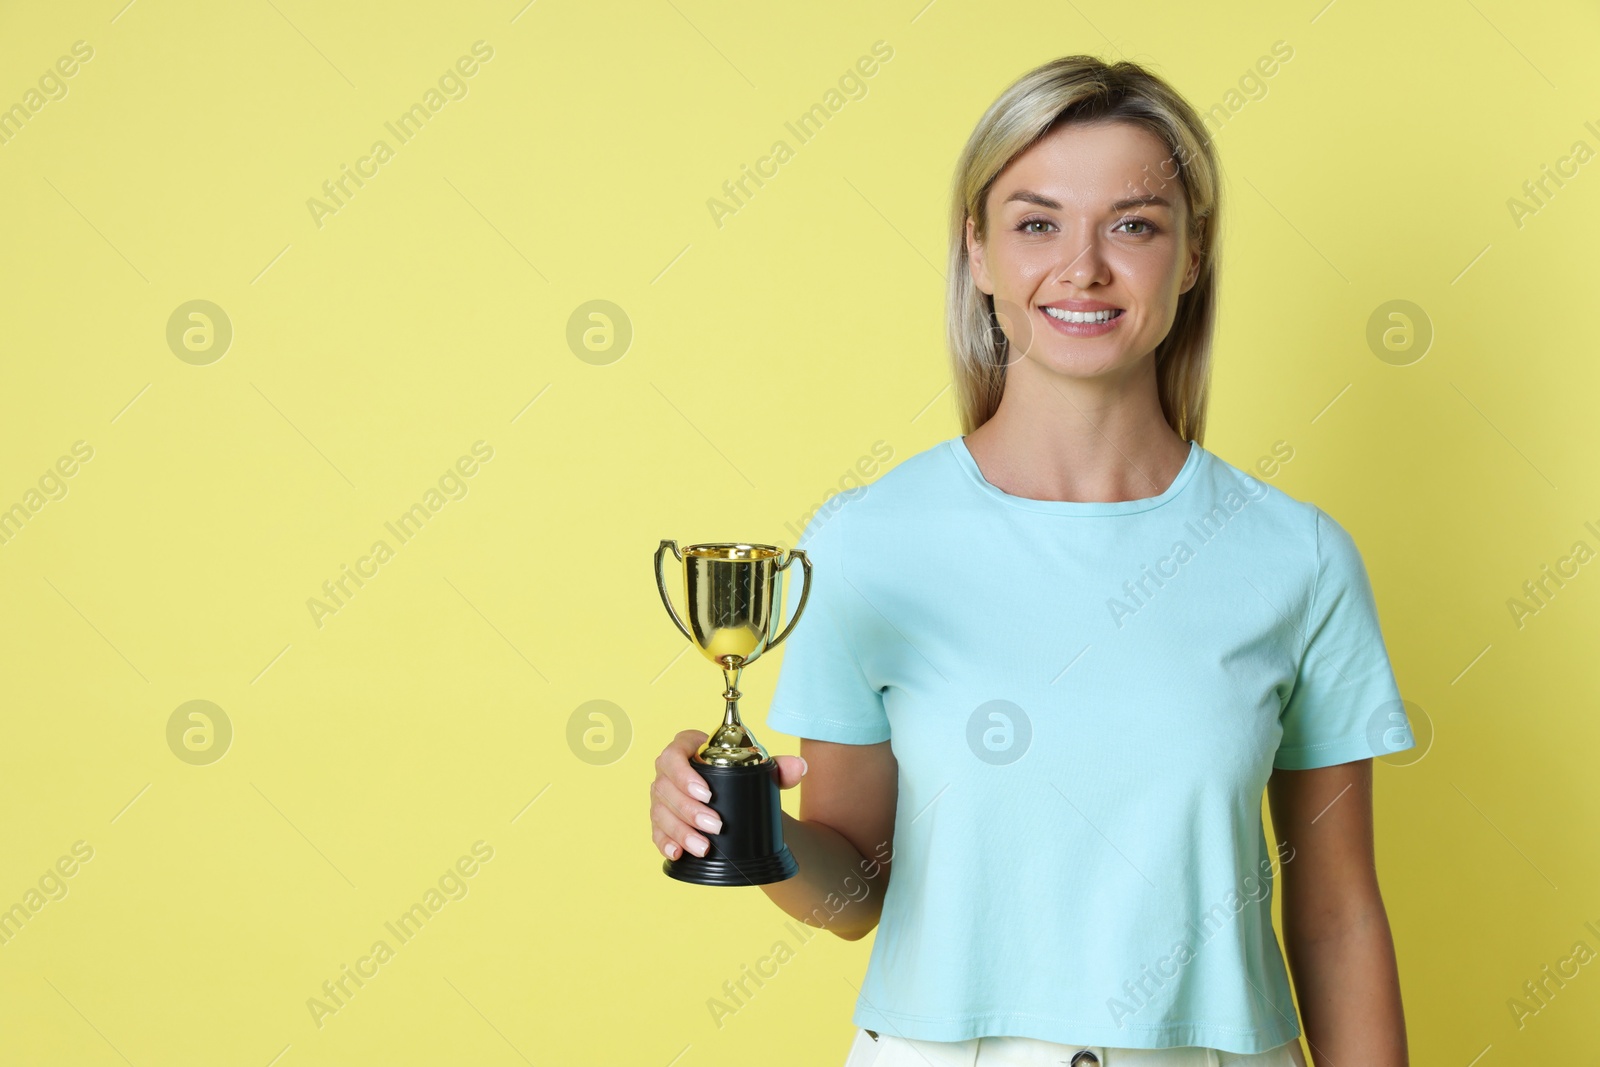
point(979, 270)
point(1193, 272)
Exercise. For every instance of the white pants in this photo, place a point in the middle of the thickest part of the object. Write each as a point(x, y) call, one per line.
point(888, 1051)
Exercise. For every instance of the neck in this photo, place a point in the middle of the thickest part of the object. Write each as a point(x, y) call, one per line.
point(1055, 437)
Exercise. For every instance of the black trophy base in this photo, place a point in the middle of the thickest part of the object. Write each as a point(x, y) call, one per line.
point(750, 848)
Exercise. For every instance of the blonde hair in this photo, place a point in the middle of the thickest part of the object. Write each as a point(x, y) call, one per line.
point(1075, 90)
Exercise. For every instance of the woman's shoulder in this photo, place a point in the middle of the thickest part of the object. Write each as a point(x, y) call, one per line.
point(924, 473)
point(896, 499)
point(1277, 515)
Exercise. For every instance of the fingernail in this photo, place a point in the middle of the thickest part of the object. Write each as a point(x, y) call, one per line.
point(708, 823)
point(698, 845)
point(672, 851)
point(699, 791)
point(804, 767)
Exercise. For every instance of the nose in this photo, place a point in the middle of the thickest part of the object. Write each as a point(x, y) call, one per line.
point(1087, 266)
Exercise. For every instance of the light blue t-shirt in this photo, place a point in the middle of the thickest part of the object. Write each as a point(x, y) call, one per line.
point(1086, 700)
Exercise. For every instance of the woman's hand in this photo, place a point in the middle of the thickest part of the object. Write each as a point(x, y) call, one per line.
point(679, 818)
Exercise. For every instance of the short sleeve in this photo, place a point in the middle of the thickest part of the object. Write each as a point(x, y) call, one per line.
point(822, 691)
point(1345, 704)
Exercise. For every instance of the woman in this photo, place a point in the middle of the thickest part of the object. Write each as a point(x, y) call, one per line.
point(1049, 666)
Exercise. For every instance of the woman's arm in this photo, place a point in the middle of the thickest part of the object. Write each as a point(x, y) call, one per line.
point(1335, 930)
point(844, 838)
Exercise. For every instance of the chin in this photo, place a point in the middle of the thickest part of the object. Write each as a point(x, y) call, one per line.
point(1082, 360)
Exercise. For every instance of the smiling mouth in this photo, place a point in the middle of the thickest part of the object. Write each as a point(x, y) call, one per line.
point(1082, 316)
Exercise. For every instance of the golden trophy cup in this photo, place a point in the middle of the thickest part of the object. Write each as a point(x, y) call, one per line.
point(733, 595)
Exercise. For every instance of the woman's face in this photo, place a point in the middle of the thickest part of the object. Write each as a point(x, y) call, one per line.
point(1086, 219)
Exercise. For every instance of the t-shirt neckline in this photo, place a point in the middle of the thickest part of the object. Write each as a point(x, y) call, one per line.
point(1085, 508)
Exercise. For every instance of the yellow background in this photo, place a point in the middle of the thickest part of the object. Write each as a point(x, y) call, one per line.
point(768, 355)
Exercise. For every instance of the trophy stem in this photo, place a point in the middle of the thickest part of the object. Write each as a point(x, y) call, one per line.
point(732, 745)
point(730, 675)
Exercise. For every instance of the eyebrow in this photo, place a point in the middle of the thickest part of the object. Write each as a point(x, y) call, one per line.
point(1028, 196)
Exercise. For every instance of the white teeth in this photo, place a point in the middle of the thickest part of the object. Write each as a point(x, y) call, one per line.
point(1081, 316)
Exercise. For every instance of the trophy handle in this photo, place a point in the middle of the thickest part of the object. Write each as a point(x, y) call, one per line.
point(805, 591)
point(661, 583)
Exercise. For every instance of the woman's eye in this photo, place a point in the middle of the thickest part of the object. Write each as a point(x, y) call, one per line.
point(1023, 226)
point(1148, 228)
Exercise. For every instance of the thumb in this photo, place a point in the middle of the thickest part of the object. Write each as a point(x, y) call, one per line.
point(790, 770)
